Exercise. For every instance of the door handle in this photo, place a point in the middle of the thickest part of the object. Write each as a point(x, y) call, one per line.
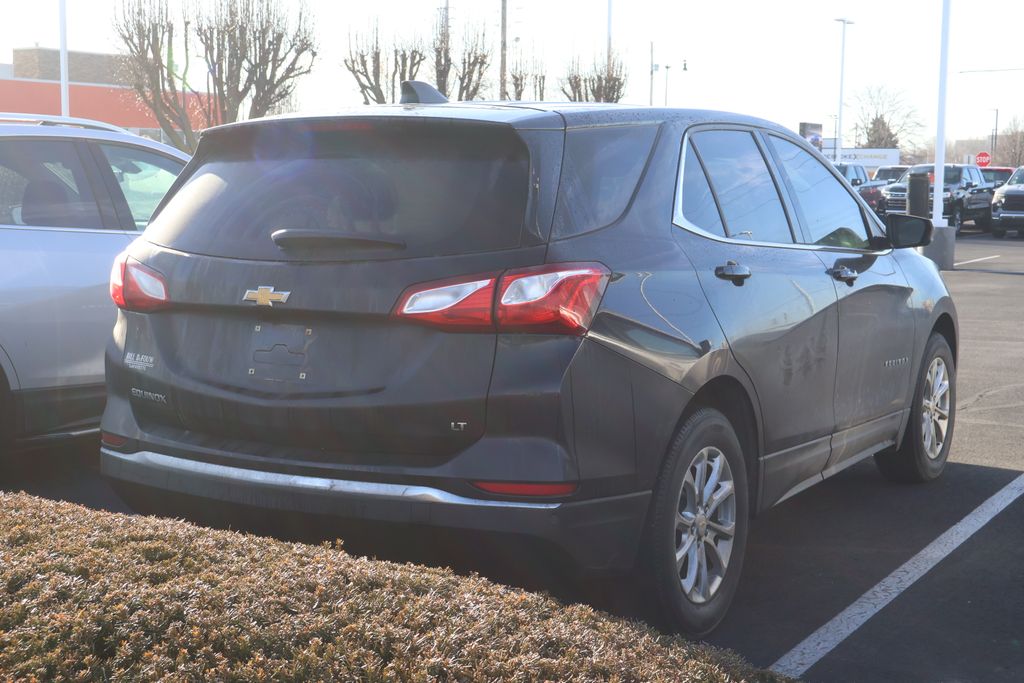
point(733, 272)
point(845, 274)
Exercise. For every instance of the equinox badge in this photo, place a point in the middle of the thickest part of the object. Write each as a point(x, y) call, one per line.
point(265, 296)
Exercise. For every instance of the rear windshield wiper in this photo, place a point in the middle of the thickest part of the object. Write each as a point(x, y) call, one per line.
point(291, 238)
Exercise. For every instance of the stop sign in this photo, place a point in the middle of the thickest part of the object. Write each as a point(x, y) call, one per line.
point(983, 159)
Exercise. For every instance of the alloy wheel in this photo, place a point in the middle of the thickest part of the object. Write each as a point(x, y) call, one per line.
point(935, 408)
point(705, 525)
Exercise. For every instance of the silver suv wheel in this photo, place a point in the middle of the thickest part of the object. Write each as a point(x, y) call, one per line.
point(705, 525)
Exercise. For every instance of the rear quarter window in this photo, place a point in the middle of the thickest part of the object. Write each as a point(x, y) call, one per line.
point(600, 172)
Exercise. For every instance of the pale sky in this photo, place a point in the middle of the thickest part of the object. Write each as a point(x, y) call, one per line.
point(777, 60)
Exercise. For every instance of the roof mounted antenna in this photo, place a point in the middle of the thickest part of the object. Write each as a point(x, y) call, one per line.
point(418, 92)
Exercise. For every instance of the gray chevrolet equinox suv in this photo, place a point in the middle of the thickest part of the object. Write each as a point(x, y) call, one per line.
point(73, 194)
point(619, 331)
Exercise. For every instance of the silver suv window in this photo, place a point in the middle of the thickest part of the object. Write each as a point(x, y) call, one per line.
point(144, 177)
point(42, 183)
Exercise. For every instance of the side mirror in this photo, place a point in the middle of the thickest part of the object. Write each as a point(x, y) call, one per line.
point(856, 181)
point(906, 231)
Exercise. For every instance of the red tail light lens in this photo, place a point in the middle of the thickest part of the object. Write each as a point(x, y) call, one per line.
point(526, 489)
point(559, 298)
point(464, 303)
point(135, 287)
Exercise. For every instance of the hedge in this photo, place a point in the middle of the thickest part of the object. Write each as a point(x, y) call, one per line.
point(87, 595)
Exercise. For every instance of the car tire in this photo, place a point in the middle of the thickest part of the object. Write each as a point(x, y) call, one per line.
point(694, 592)
point(984, 222)
point(919, 458)
point(998, 232)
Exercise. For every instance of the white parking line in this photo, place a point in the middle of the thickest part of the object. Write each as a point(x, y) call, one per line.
point(805, 655)
point(976, 260)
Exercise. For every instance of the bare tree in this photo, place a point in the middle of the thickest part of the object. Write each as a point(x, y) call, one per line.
point(602, 83)
point(149, 34)
point(249, 51)
point(520, 76)
point(524, 75)
point(473, 63)
point(574, 83)
point(442, 49)
point(1011, 143)
point(885, 119)
point(282, 49)
point(366, 63)
point(405, 66)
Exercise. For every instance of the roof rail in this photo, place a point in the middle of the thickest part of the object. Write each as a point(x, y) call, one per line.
point(52, 120)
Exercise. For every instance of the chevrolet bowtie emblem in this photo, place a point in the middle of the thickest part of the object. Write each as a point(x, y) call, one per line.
point(265, 296)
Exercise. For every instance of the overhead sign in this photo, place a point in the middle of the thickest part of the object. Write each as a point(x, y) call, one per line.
point(983, 159)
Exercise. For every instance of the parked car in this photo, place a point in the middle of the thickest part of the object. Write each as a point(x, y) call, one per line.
point(73, 194)
point(966, 195)
point(997, 175)
point(889, 174)
point(1008, 206)
point(869, 190)
point(617, 330)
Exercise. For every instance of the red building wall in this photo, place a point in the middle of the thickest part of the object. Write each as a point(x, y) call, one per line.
point(117, 105)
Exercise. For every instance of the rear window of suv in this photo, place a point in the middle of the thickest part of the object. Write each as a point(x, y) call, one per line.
point(397, 190)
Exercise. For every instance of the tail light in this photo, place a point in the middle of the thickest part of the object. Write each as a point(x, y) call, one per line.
point(559, 298)
point(135, 287)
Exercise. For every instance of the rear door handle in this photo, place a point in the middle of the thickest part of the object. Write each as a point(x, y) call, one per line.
point(733, 272)
point(845, 274)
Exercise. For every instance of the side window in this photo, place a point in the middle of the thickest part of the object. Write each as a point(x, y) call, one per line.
point(42, 183)
point(828, 211)
point(600, 172)
point(143, 176)
point(751, 207)
point(695, 200)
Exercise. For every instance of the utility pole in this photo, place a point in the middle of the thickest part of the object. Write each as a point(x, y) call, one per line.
point(838, 149)
point(504, 51)
point(667, 67)
point(609, 38)
point(653, 67)
point(995, 137)
point(65, 105)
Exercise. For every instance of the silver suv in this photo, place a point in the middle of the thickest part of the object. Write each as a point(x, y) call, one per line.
point(73, 194)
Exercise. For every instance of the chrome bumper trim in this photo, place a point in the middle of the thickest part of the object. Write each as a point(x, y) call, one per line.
point(160, 462)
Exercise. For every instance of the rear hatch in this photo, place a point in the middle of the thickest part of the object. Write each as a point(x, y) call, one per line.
point(285, 248)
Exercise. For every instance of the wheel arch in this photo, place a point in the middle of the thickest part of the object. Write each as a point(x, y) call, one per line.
point(945, 326)
point(732, 397)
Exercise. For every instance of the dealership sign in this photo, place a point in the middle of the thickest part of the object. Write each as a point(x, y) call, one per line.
point(870, 157)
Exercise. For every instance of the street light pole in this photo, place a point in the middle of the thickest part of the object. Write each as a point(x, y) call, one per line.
point(667, 67)
point(503, 68)
point(940, 128)
point(65, 106)
point(838, 147)
point(652, 74)
point(609, 72)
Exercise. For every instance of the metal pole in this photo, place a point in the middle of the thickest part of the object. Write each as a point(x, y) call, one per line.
point(652, 74)
point(940, 128)
point(838, 147)
point(995, 137)
point(609, 37)
point(667, 67)
point(65, 106)
point(504, 50)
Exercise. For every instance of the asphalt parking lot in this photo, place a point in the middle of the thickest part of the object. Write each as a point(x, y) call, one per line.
point(820, 552)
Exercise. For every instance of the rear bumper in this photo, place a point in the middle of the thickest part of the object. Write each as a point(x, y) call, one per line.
point(599, 535)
